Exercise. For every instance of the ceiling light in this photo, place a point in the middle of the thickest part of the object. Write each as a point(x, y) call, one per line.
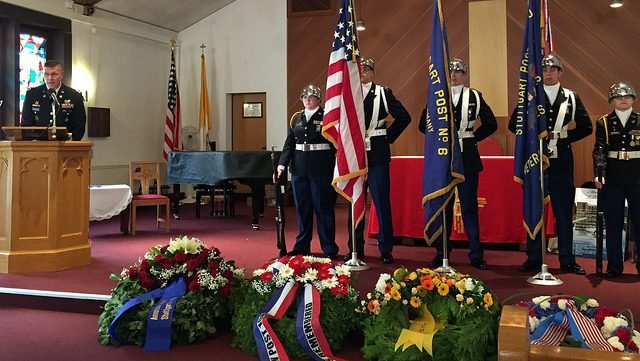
point(360, 25)
point(616, 3)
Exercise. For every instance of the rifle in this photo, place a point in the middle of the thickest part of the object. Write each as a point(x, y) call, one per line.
point(600, 164)
point(279, 186)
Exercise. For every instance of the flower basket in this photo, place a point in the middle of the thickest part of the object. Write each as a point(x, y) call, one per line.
point(336, 301)
point(579, 322)
point(209, 281)
point(425, 315)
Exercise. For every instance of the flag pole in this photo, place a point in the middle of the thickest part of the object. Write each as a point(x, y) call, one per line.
point(354, 263)
point(544, 277)
point(445, 268)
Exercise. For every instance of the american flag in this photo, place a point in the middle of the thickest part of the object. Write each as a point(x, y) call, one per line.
point(172, 139)
point(343, 122)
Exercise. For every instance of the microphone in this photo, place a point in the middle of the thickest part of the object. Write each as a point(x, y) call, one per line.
point(52, 94)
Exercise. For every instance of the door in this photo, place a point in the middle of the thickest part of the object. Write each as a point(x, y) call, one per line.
point(249, 116)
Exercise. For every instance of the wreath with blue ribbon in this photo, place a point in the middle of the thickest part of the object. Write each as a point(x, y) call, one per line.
point(175, 293)
point(296, 307)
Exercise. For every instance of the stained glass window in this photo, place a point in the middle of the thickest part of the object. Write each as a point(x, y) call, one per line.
point(32, 57)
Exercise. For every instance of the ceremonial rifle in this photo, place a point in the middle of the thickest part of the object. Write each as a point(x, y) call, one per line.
point(279, 185)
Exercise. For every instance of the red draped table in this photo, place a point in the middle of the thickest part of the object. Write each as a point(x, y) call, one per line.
point(499, 198)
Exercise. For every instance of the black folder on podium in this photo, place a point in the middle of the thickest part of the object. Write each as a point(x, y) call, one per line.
point(36, 133)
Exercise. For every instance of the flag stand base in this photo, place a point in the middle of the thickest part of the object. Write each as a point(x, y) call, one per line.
point(355, 264)
point(445, 268)
point(544, 278)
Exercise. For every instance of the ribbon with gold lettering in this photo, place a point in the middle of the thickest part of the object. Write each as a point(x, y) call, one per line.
point(158, 337)
point(420, 332)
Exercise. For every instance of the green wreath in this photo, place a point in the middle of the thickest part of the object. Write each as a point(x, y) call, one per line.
point(339, 302)
point(463, 308)
point(210, 279)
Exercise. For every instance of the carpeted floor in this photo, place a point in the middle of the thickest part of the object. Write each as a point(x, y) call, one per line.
point(37, 334)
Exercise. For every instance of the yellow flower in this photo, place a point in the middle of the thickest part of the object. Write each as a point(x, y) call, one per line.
point(415, 302)
point(399, 273)
point(437, 281)
point(412, 276)
point(395, 294)
point(460, 285)
point(443, 289)
point(488, 299)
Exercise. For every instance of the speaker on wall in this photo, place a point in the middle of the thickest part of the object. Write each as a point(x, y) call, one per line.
point(98, 122)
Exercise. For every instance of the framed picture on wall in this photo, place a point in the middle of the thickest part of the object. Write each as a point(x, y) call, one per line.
point(252, 110)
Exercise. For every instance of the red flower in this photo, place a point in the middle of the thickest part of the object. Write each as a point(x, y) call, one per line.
point(228, 275)
point(343, 279)
point(194, 286)
point(166, 263)
point(192, 265)
point(180, 257)
point(146, 281)
point(339, 291)
point(144, 265)
point(213, 265)
point(624, 335)
point(283, 260)
point(322, 266)
point(602, 313)
point(324, 275)
point(266, 277)
point(226, 290)
point(633, 347)
point(133, 272)
point(158, 257)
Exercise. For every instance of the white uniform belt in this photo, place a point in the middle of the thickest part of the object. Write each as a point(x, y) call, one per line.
point(312, 147)
point(376, 132)
point(558, 135)
point(624, 154)
point(463, 134)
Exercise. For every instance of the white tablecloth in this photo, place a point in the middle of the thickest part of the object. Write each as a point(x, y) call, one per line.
point(107, 201)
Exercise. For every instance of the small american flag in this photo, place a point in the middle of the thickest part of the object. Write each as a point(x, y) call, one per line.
point(343, 122)
point(172, 139)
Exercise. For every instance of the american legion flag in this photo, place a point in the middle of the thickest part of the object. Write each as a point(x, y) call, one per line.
point(172, 140)
point(531, 125)
point(343, 122)
point(442, 158)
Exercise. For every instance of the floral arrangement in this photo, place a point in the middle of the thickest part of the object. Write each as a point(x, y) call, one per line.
point(210, 280)
point(339, 300)
point(616, 328)
point(426, 315)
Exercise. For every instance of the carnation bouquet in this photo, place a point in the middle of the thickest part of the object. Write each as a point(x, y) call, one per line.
point(580, 322)
point(269, 308)
point(426, 315)
point(208, 282)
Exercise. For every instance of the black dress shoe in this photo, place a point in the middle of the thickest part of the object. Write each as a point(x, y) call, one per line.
point(529, 266)
point(573, 268)
point(386, 258)
point(435, 263)
point(347, 257)
point(480, 264)
point(612, 274)
point(332, 256)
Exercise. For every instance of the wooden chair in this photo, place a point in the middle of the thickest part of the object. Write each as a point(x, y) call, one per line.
point(145, 175)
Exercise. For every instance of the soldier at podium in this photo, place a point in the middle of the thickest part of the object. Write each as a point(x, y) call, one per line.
point(54, 103)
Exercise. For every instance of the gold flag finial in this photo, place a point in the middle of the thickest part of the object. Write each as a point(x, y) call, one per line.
point(172, 43)
point(202, 47)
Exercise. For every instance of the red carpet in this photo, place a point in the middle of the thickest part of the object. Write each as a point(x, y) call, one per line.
point(28, 334)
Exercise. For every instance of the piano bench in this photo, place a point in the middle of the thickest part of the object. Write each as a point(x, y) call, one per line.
point(222, 198)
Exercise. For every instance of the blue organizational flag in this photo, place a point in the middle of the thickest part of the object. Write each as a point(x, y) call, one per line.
point(442, 159)
point(531, 124)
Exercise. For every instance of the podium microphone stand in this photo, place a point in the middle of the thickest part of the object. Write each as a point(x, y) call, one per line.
point(354, 263)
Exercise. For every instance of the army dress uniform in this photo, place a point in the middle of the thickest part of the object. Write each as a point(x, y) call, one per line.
point(70, 113)
point(471, 104)
point(311, 159)
point(618, 146)
point(566, 108)
point(377, 140)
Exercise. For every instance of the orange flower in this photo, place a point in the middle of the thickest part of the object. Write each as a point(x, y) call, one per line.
point(488, 299)
point(428, 285)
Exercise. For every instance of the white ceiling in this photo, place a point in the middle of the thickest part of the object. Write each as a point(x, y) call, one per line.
point(175, 15)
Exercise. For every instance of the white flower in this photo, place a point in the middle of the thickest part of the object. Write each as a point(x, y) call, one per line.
point(592, 303)
point(258, 272)
point(543, 302)
point(310, 275)
point(284, 272)
point(469, 284)
point(369, 295)
point(414, 290)
point(329, 282)
point(405, 302)
point(636, 337)
point(188, 245)
point(238, 273)
point(459, 297)
point(615, 342)
point(342, 270)
point(469, 300)
point(562, 304)
point(611, 323)
point(382, 282)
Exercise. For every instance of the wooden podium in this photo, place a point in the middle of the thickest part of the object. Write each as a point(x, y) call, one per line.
point(44, 205)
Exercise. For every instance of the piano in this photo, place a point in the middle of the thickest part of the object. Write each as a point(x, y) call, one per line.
point(252, 168)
